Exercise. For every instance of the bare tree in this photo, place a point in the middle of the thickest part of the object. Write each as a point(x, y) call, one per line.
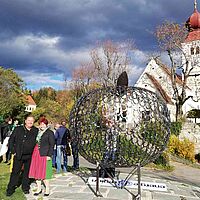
point(170, 37)
point(110, 60)
point(83, 78)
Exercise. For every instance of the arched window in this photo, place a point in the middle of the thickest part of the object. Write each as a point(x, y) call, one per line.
point(197, 50)
point(192, 51)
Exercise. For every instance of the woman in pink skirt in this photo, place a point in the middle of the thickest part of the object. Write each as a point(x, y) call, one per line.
point(41, 163)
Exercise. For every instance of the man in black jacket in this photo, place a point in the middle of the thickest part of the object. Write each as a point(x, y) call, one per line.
point(62, 137)
point(21, 144)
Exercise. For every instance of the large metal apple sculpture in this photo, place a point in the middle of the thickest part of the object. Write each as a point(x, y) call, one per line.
point(120, 126)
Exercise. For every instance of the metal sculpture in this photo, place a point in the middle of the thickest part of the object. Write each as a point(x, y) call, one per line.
point(120, 126)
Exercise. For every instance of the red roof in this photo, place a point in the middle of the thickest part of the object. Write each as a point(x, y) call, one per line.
point(193, 35)
point(30, 100)
point(168, 71)
point(194, 20)
point(160, 89)
point(193, 25)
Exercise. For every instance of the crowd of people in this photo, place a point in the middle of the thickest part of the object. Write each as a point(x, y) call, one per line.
point(34, 151)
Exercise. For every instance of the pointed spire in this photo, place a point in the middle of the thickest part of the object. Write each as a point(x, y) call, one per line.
point(195, 4)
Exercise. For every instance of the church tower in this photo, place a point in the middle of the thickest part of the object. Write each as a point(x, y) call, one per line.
point(191, 49)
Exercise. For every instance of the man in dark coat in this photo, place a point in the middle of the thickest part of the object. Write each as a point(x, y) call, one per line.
point(21, 144)
point(62, 138)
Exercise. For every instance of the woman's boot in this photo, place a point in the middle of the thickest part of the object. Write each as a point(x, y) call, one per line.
point(39, 189)
point(47, 190)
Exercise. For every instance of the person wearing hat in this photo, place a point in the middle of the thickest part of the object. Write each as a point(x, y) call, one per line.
point(41, 163)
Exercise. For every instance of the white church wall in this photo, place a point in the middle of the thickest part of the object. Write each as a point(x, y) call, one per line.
point(193, 81)
point(155, 70)
point(172, 110)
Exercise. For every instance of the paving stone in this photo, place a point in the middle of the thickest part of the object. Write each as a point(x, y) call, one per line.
point(75, 184)
point(49, 198)
point(161, 196)
point(71, 186)
point(72, 195)
point(146, 195)
point(197, 192)
point(119, 194)
point(78, 190)
point(61, 182)
point(68, 189)
point(102, 198)
point(172, 187)
point(185, 193)
point(101, 190)
point(29, 197)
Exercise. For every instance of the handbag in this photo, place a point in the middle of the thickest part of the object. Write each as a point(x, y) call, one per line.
point(4, 147)
point(68, 149)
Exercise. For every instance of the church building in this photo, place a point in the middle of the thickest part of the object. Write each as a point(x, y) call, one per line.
point(156, 77)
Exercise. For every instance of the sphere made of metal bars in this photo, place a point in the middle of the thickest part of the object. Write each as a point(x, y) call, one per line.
point(120, 127)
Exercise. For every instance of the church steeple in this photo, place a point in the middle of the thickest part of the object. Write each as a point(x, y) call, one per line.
point(191, 49)
point(193, 25)
point(195, 4)
point(193, 22)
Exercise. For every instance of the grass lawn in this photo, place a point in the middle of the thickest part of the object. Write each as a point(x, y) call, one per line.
point(4, 178)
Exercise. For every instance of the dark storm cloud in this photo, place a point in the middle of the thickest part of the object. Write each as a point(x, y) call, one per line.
point(80, 20)
point(50, 35)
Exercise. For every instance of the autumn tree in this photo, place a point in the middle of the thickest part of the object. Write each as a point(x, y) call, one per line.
point(66, 100)
point(110, 59)
point(83, 79)
point(170, 37)
point(51, 103)
point(12, 100)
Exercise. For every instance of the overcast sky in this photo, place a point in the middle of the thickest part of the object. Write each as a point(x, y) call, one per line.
point(43, 39)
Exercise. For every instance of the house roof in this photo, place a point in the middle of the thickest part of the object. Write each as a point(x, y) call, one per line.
point(159, 88)
point(168, 71)
point(30, 100)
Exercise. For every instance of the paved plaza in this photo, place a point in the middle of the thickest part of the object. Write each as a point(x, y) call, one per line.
point(182, 184)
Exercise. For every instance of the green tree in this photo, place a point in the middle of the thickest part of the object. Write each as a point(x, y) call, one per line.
point(38, 112)
point(51, 109)
point(44, 94)
point(12, 99)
